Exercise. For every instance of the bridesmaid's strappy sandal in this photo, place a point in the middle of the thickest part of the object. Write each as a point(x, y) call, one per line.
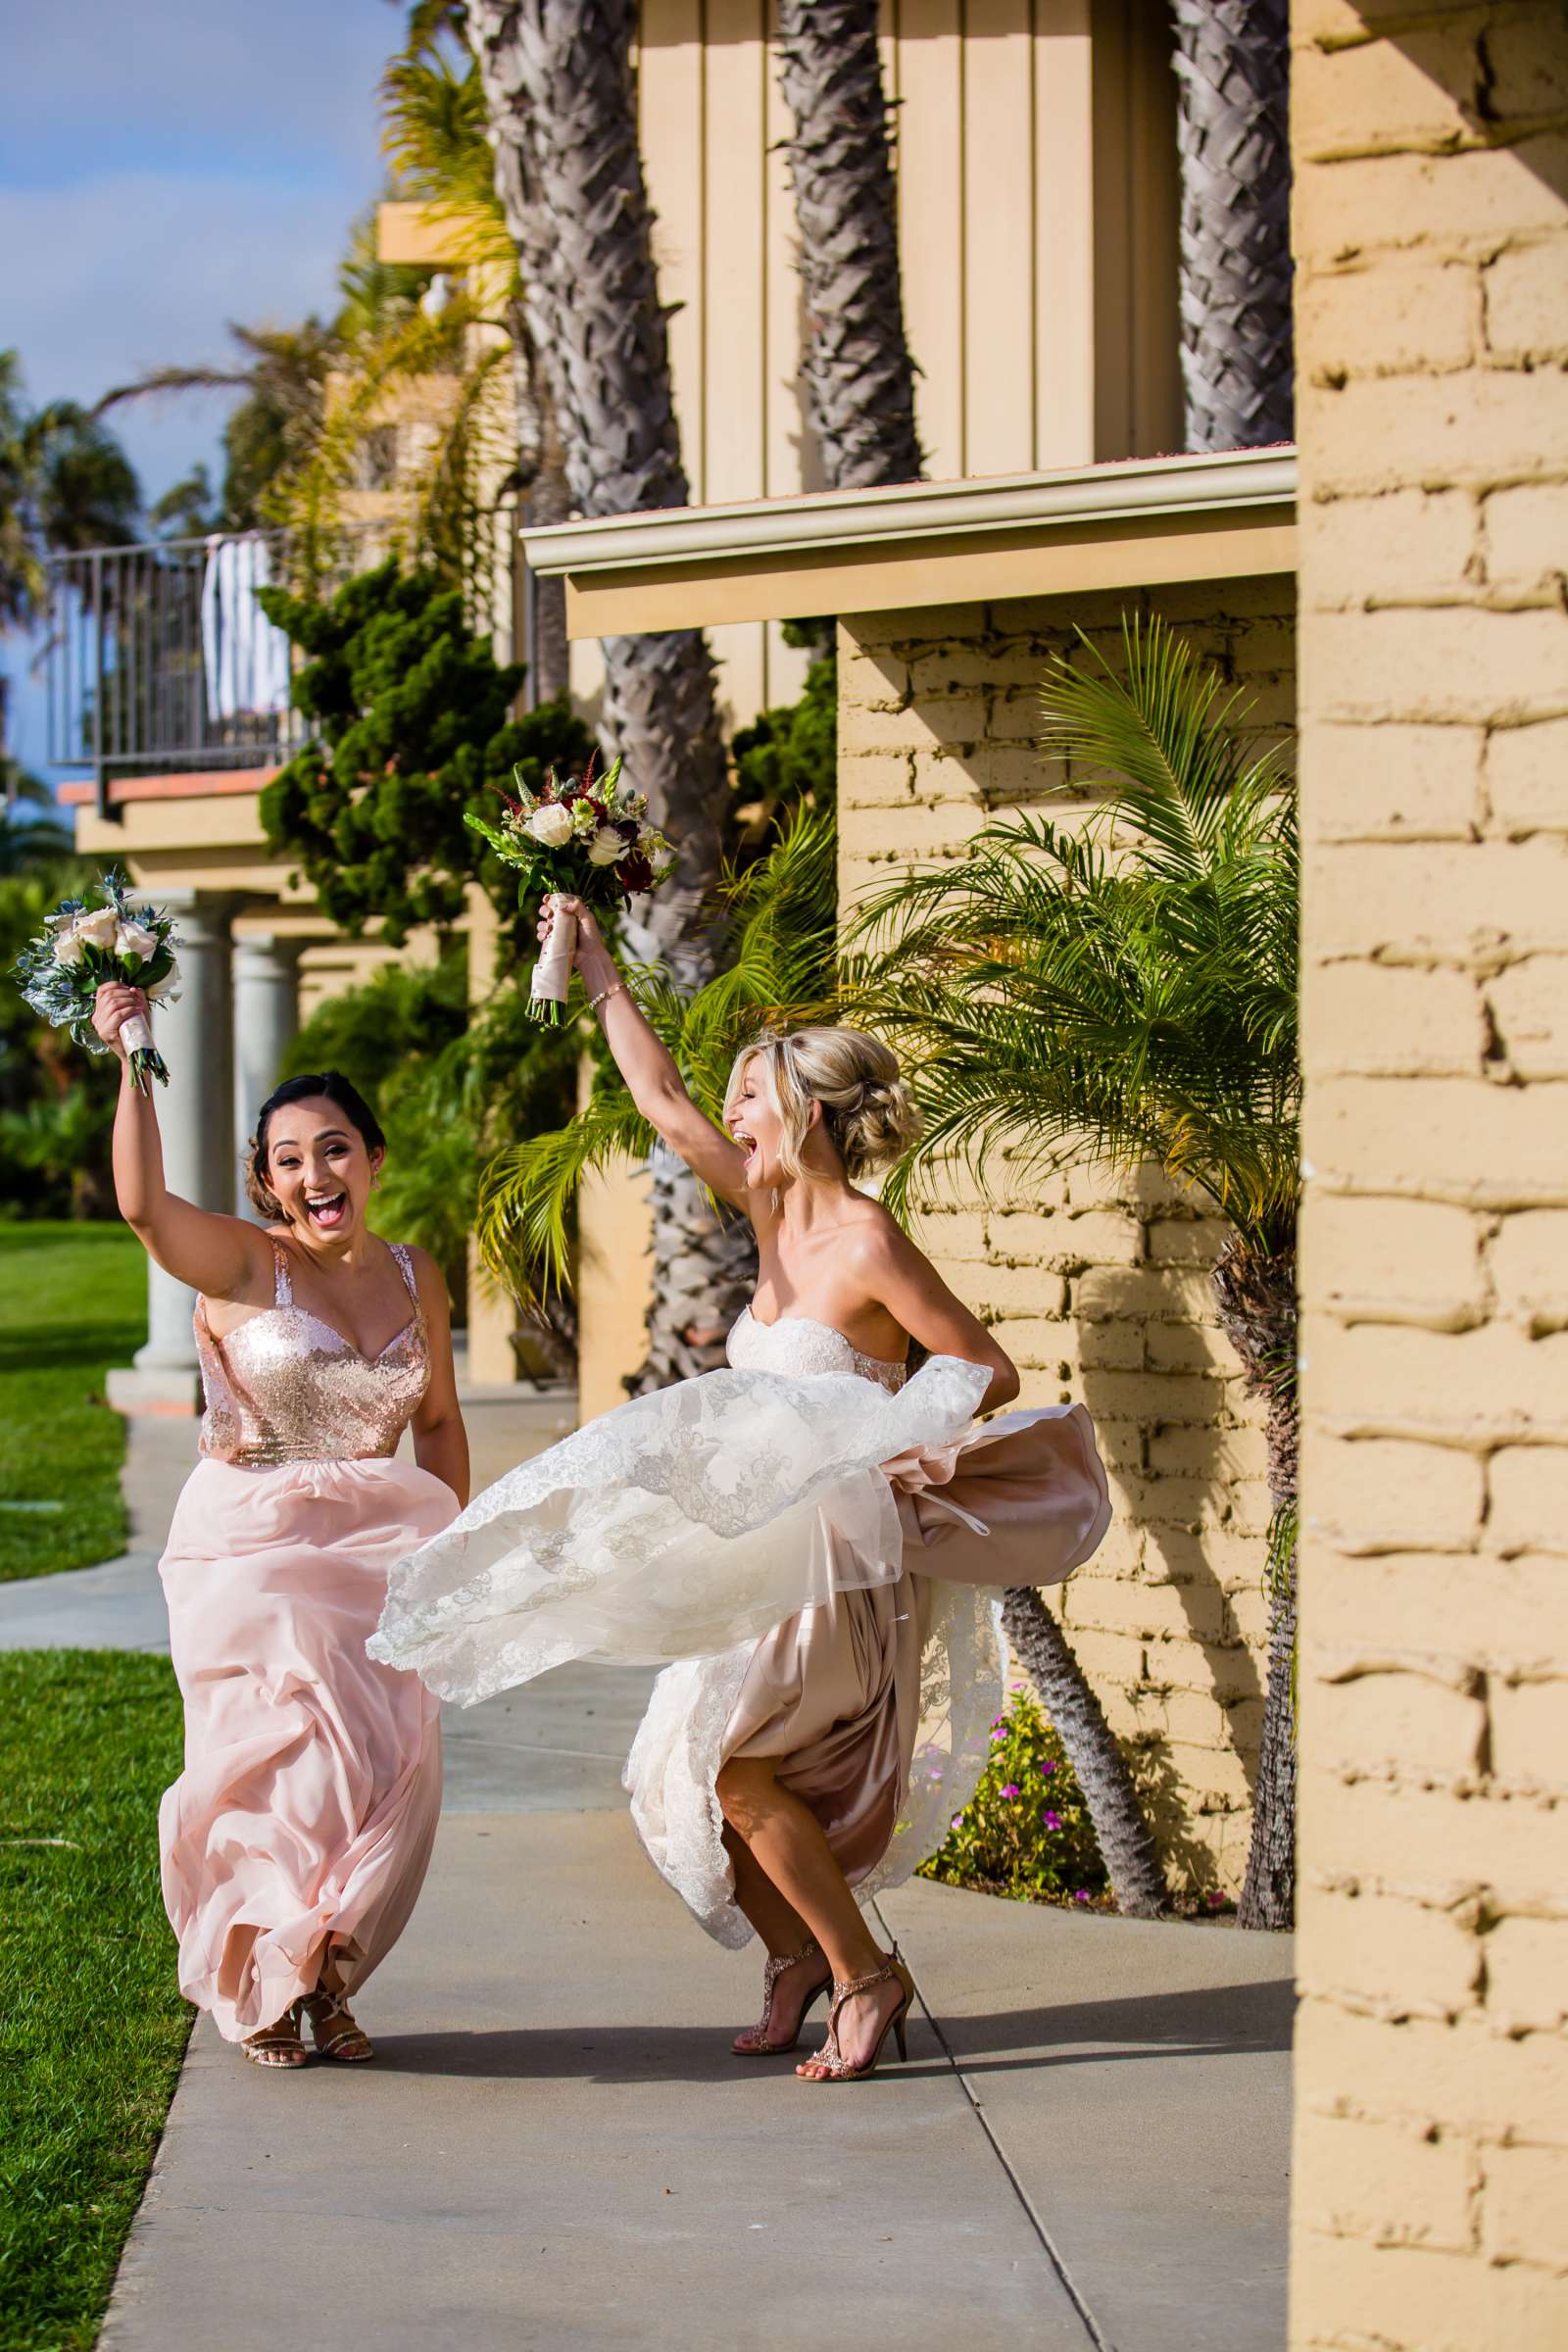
point(277, 2045)
point(754, 2041)
point(333, 2031)
point(835, 2067)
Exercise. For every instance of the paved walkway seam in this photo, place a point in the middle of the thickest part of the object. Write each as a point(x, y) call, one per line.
point(1053, 2253)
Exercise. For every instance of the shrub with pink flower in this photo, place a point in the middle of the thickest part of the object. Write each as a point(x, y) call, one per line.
point(1006, 1842)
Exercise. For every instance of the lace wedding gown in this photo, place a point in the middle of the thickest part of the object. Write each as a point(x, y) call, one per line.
point(811, 1543)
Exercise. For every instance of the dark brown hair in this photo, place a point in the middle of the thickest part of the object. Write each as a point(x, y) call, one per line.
point(324, 1084)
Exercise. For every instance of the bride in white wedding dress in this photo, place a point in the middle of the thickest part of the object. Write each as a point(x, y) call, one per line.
point(812, 1543)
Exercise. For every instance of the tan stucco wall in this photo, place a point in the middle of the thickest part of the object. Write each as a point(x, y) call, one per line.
point(1099, 1288)
point(1431, 231)
point(615, 1285)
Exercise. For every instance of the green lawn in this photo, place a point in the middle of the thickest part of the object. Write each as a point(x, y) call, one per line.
point(72, 1301)
point(91, 2026)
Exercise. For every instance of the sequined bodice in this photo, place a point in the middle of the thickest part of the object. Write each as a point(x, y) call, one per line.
point(799, 1343)
point(285, 1386)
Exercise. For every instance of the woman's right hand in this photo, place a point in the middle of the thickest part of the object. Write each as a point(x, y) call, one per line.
point(589, 935)
point(113, 1008)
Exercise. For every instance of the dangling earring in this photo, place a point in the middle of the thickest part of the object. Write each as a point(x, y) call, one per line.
point(375, 1180)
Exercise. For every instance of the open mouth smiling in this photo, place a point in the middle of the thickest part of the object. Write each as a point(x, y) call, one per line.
point(327, 1209)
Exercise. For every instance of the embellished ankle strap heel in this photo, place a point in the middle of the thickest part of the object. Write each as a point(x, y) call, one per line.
point(333, 2030)
point(755, 2042)
point(830, 2064)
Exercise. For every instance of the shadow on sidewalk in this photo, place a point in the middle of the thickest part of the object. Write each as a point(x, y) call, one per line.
point(1221, 2021)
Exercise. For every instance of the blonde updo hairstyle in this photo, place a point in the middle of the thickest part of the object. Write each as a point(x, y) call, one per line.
point(868, 1110)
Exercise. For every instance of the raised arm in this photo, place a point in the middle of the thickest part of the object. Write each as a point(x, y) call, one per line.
point(646, 1066)
point(216, 1255)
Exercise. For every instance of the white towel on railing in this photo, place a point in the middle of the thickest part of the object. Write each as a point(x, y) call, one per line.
point(245, 657)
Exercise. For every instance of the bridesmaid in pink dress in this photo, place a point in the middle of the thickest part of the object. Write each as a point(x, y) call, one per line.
point(296, 1840)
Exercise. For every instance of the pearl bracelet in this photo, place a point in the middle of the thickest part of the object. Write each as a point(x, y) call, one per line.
point(616, 987)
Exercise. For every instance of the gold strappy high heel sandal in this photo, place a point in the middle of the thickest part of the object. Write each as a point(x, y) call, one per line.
point(758, 2045)
point(830, 2058)
point(333, 2030)
point(278, 2045)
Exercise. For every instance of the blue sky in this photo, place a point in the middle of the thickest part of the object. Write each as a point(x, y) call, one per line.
point(166, 167)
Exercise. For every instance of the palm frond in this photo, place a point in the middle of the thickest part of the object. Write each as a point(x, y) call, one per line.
point(528, 1191)
point(309, 498)
point(1166, 735)
point(434, 136)
point(175, 379)
point(1125, 990)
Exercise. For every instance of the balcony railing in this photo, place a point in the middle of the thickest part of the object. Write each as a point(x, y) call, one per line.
point(159, 658)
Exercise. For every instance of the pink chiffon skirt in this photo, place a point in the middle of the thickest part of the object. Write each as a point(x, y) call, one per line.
point(308, 1805)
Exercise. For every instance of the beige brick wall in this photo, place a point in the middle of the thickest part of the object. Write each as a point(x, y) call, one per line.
point(1431, 234)
point(1098, 1287)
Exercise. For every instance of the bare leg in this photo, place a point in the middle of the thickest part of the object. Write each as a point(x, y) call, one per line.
point(333, 2024)
point(787, 1841)
point(783, 1931)
point(777, 1922)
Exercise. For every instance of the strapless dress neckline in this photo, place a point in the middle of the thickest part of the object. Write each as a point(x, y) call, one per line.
point(888, 1363)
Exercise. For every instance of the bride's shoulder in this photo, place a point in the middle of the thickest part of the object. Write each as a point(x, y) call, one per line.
point(871, 1237)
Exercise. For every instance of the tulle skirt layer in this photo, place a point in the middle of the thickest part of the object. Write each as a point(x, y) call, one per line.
point(682, 1522)
point(838, 1697)
point(307, 1803)
point(819, 1563)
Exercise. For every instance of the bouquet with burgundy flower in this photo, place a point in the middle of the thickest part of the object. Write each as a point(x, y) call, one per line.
point(88, 941)
point(587, 837)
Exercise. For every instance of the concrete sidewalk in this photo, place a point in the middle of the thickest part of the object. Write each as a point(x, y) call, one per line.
point(555, 2150)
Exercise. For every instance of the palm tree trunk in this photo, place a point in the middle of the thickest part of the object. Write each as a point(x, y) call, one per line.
point(858, 375)
point(1232, 76)
point(1257, 1291)
point(1078, 1719)
point(861, 383)
point(562, 122)
point(539, 478)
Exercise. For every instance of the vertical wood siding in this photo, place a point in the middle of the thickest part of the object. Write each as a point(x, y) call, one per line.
point(1043, 329)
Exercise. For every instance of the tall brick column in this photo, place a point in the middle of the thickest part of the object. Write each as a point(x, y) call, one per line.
point(1432, 239)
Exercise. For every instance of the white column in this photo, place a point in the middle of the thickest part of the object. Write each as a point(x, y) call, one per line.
point(195, 1115)
point(266, 1020)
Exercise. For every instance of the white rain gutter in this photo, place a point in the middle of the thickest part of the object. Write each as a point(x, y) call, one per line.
point(816, 525)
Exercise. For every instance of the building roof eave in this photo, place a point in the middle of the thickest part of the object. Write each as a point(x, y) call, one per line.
point(926, 543)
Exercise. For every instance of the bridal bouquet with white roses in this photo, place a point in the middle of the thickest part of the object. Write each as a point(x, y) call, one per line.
point(88, 941)
point(587, 837)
